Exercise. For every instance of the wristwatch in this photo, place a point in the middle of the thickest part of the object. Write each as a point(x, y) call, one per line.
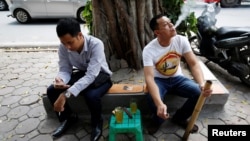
point(67, 94)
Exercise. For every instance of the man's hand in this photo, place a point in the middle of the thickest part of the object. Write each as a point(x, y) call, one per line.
point(59, 84)
point(162, 111)
point(207, 92)
point(60, 102)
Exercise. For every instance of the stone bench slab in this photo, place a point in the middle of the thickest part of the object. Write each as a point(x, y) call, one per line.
point(133, 85)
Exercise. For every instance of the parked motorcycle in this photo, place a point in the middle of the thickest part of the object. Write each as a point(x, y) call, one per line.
point(229, 47)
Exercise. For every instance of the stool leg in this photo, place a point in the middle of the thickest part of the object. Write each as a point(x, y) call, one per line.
point(111, 135)
point(139, 136)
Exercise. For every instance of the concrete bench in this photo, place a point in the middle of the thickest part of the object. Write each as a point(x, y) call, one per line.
point(120, 94)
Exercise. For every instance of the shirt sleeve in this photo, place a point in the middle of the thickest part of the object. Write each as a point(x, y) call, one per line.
point(185, 45)
point(96, 57)
point(147, 58)
point(65, 67)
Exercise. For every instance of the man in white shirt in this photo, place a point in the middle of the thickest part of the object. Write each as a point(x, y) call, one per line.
point(162, 70)
point(83, 70)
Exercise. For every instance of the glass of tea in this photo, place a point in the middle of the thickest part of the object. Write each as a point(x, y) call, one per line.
point(133, 105)
point(118, 114)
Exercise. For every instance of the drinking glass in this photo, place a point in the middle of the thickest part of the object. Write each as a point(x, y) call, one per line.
point(133, 105)
point(118, 114)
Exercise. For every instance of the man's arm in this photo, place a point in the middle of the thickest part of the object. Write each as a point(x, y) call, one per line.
point(154, 92)
point(197, 72)
point(96, 57)
point(194, 67)
point(65, 67)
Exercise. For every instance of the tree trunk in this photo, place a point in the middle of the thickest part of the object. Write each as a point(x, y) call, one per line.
point(123, 26)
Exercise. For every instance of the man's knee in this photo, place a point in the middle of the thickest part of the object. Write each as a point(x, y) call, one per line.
point(50, 89)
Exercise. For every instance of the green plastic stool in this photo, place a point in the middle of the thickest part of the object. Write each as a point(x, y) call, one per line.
point(127, 126)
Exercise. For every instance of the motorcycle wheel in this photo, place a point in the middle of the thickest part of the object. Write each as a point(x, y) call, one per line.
point(245, 79)
point(246, 59)
point(194, 43)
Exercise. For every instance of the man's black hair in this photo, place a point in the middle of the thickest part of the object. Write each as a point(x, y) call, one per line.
point(153, 22)
point(68, 26)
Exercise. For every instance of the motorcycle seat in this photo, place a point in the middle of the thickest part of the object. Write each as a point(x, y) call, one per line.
point(229, 32)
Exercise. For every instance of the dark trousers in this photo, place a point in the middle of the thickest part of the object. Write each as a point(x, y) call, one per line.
point(92, 96)
point(181, 86)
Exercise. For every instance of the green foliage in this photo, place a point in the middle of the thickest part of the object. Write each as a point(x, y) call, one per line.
point(172, 8)
point(191, 24)
point(87, 14)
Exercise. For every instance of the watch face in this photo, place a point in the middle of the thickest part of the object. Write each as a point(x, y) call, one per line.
point(67, 94)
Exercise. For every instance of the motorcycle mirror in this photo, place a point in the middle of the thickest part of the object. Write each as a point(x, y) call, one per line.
point(210, 8)
point(217, 8)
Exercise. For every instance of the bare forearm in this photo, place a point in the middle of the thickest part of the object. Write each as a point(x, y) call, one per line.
point(152, 87)
point(197, 74)
point(154, 92)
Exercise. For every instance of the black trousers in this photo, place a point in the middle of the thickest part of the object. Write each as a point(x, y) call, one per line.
point(92, 96)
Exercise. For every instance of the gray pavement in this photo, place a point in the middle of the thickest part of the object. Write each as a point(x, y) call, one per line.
point(24, 76)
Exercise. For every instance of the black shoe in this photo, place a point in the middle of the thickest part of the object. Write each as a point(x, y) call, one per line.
point(96, 132)
point(64, 126)
point(61, 129)
point(153, 127)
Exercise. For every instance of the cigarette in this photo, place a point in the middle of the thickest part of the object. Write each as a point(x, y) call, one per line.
point(167, 114)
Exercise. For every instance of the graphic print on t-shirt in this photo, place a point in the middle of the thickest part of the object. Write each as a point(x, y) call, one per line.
point(168, 64)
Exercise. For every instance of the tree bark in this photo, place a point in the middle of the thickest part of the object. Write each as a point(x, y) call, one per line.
point(123, 26)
